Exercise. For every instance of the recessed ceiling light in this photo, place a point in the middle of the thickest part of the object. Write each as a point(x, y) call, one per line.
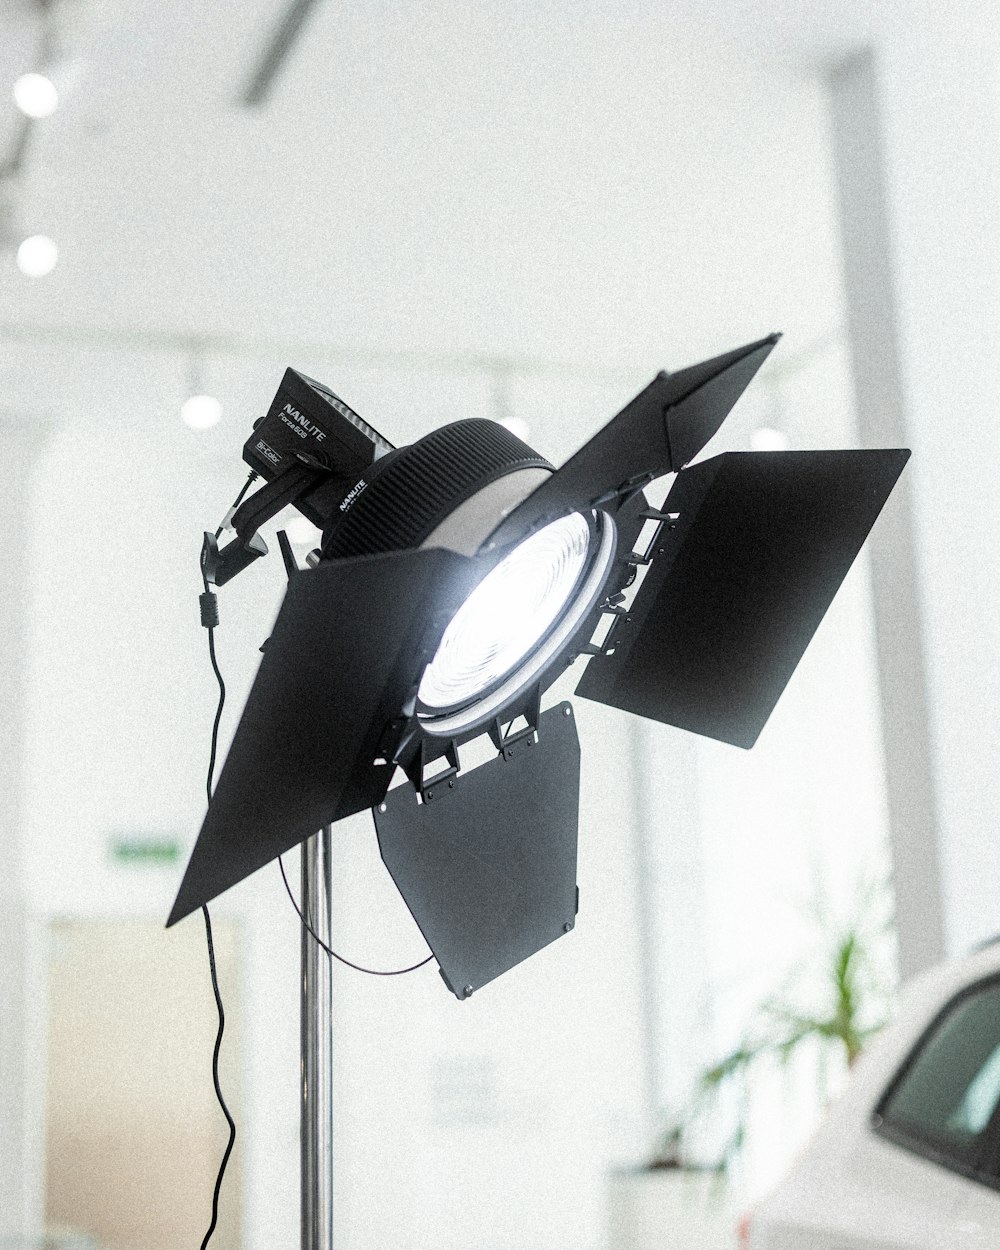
point(36, 96)
point(37, 255)
point(300, 530)
point(766, 438)
point(201, 412)
point(517, 427)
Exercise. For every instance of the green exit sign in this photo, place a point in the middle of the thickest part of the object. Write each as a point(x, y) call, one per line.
point(145, 850)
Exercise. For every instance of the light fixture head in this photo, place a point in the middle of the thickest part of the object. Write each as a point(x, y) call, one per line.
point(521, 608)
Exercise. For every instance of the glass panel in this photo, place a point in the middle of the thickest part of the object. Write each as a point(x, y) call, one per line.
point(951, 1089)
point(974, 1111)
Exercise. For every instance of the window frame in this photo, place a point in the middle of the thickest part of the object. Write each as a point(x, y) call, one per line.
point(985, 1170)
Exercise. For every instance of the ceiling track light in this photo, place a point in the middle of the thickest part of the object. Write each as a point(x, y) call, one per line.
point(456, 579)
point(200, 410)
point(37, 255)
point(35, 94)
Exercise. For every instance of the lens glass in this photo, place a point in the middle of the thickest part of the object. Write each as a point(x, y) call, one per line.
point(507, 614)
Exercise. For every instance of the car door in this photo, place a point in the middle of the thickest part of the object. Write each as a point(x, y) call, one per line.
point(943, 1106)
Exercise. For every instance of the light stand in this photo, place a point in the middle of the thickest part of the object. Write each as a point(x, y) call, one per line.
point(383, 658)
point(316, 1127)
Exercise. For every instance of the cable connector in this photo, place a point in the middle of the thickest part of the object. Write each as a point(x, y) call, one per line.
point(209, 609)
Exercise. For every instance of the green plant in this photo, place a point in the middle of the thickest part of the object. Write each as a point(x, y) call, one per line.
point(832, 1003)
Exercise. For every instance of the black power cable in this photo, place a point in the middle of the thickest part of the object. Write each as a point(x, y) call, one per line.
point(215, 1080)
point(372, 972)
point(210, 619)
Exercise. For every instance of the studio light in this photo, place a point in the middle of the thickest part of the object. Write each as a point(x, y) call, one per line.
point(36, 96)
point(37, 255)
point(456, 579)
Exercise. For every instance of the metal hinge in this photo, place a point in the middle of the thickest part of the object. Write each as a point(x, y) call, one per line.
point(505, 743)
point(437, 785)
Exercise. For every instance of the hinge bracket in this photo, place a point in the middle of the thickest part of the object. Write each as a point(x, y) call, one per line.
point(506, 742)
point(437, 785)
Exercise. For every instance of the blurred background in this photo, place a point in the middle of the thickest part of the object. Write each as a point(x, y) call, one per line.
point(519, 211)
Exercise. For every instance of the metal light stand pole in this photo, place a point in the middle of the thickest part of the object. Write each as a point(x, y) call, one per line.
point(316, 1132)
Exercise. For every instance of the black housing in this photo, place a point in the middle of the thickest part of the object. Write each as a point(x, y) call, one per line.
point(406, 494)
point(308, 425)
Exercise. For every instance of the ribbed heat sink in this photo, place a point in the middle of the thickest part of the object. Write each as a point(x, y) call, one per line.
point(417, 486)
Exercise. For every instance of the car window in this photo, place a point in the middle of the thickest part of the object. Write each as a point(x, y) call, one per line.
point(973, 1113)
point(947, 1092)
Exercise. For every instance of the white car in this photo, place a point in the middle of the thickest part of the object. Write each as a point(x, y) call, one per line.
point(909, 1157)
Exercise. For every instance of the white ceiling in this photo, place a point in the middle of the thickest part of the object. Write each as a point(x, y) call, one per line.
point(142, 56)
point(410, 148)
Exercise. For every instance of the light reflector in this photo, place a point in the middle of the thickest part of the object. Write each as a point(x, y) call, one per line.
point(507, 614)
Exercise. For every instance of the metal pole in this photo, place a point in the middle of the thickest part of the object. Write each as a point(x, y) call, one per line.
point(316, 1132)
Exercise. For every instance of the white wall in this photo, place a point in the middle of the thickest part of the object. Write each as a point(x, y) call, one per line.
point(916, 115)
point(21, 977)
point(939, 76)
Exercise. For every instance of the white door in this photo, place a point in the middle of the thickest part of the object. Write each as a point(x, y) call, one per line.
point(134, 1135)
